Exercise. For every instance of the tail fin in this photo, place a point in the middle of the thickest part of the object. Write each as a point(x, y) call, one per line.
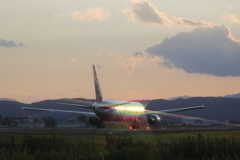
point(98, 92)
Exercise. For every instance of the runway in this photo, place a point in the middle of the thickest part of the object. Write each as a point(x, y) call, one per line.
point(73, 131)
point(94, 131)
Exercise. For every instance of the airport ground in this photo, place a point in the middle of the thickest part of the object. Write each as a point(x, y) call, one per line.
point(176, 142)
point(169, 131)
point(119, 131)
point(89, 134)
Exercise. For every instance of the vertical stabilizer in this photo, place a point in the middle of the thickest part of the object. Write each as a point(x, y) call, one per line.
point(98, 91)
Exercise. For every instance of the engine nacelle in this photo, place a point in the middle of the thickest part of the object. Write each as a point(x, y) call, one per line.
point(153, 119)
point(93, 120)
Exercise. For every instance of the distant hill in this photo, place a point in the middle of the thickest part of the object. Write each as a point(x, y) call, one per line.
point(226, 96)
point(216, 108)
point(7, 99)
point(183, 97)
point(233, 95)
point(11, 108)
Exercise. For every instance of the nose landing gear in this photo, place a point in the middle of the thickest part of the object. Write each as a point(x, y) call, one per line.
point(135, 124)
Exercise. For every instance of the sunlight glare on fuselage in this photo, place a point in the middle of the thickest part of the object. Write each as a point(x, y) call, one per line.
point(127, 108)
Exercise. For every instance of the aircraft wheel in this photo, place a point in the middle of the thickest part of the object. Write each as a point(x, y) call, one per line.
point(100, 125)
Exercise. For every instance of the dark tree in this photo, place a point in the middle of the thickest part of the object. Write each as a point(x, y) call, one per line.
point(82, 118)
point(6, 121)
point(49, 121)
point(36, 120)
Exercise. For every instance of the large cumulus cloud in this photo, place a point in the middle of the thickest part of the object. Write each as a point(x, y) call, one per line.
point(145, 12)
point(210, 51)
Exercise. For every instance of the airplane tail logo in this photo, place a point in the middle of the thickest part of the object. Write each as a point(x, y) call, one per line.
point(98, 91)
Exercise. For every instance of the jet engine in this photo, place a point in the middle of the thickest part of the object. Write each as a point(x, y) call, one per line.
point(93, 120)
point(153, 119)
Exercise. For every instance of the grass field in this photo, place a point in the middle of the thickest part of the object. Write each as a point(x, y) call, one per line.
point(193, 145)
point(144, 137)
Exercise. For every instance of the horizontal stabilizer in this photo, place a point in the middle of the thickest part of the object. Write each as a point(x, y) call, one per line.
point(63, 111)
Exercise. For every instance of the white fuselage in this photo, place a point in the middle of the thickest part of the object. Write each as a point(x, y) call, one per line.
point(111, 110)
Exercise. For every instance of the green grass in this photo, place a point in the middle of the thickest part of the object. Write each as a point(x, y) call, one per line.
point(210, 134)
point(193, 145)
point(146, 137)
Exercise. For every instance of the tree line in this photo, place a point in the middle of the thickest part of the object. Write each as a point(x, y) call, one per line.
point(8, 121)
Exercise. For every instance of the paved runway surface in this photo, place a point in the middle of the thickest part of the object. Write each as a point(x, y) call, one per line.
point(94, 131)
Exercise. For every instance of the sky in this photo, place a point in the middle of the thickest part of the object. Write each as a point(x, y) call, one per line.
point(142, 49)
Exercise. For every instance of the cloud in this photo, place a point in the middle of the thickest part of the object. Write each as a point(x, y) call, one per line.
point(129, 63)
point(5, 43)
point(74, 60)
point(90, 14)
point(211, 51)
point(189, 22)
point(145, 12)
point(231, 18)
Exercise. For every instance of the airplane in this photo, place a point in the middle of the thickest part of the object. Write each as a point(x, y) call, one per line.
point(128, 112)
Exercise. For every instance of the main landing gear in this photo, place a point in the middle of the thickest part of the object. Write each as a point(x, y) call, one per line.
point(100, 124)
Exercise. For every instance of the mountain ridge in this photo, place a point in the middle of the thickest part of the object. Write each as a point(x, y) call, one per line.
point(216, 108)
point(237, 95)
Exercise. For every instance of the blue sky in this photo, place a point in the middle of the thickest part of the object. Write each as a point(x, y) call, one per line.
point(142, 49)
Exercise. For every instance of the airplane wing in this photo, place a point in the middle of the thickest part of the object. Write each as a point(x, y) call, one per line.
point(76, 105)
point(63, 111)
point(175, 110)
